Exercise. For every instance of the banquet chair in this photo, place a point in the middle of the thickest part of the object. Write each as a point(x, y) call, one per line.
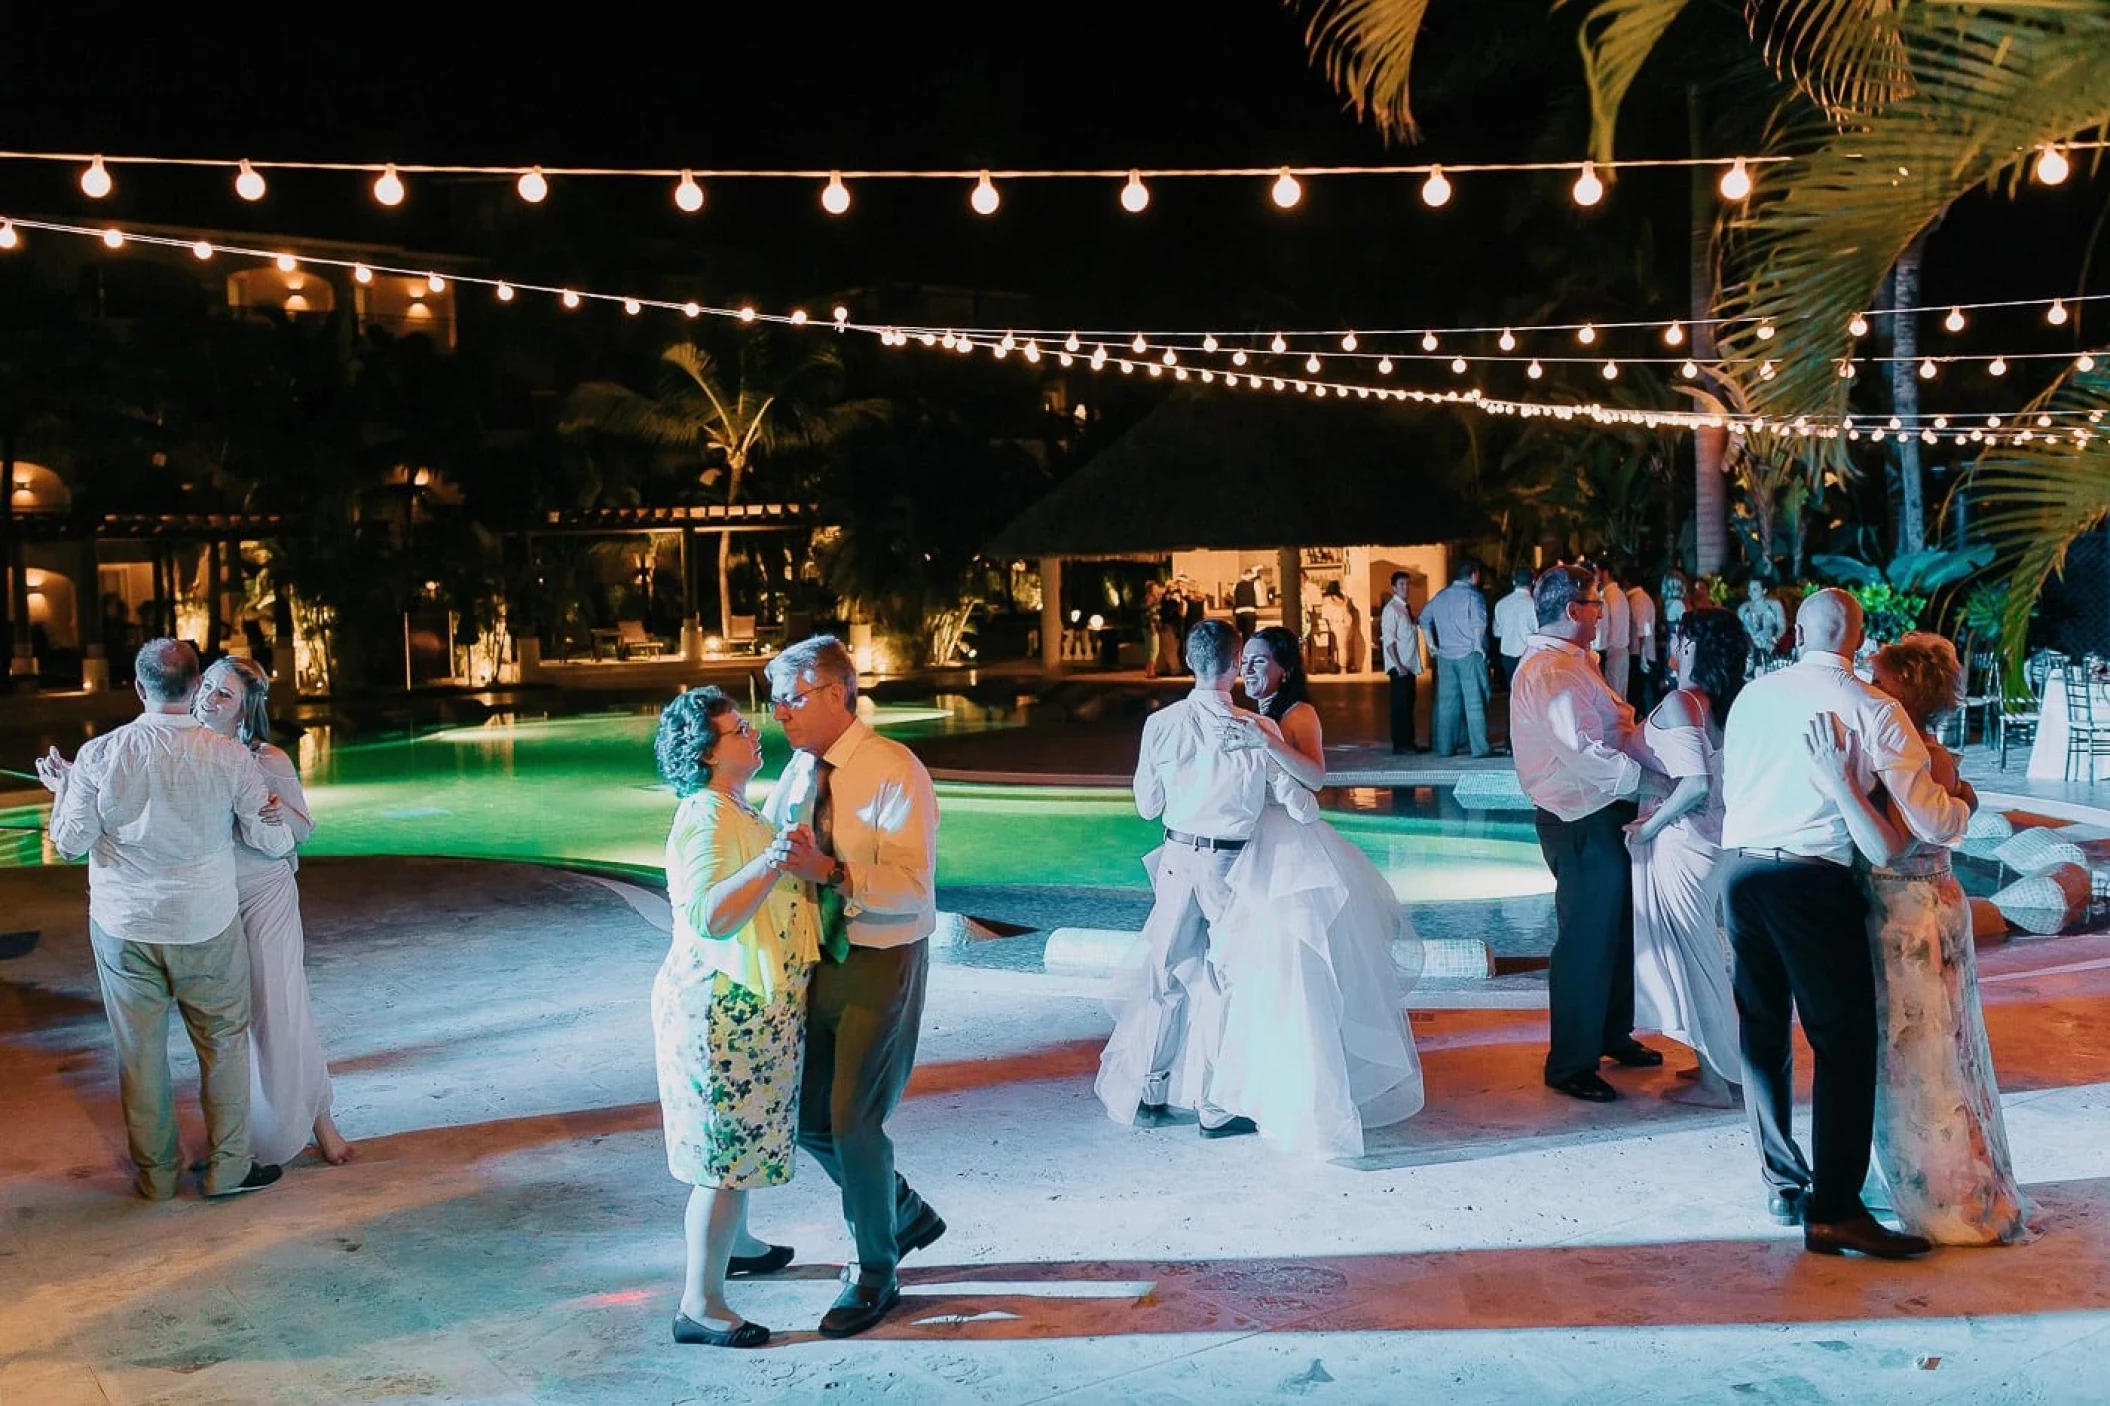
point(2086, 738)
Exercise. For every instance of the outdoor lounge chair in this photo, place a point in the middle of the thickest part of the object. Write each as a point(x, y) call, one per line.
point(631, 641)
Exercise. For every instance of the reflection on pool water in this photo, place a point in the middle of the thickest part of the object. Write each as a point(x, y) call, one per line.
point(583, 789)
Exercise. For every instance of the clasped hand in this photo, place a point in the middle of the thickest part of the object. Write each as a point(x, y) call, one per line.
point(1241, 734)
point(796, 852)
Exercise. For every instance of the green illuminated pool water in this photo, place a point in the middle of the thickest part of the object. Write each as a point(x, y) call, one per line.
point(583, 790)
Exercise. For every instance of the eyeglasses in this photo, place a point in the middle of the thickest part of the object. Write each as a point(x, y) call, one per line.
point(779, 702)
point(743, 728)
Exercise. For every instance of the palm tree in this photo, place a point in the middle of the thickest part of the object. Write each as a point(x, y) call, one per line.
point(778, 397)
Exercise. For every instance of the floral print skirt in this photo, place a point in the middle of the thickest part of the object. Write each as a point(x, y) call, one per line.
point(729, 1067)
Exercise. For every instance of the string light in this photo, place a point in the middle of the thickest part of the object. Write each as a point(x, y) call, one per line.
point(1209, 343)
point(1690, 370)
point(2085, 364)
point(1278, 346)
point(2052, 166)
point(1458, 366)
point(633, 306)
point(1846, 369)
point(1588, 189)
point(1348, 343)
point(8, 238)
point(1534, 371)
point(1857, 326)
point(95, 181)
point(247, 183)
point(1674, 335)
point(1954, 321)
point(1311, 363)
point(1286, 192)
point(505, 292)
point(286, 263)
point(1927, 369)
point(362, 274)
point(436, 283)
point(1428, 341)
point(571, 299)
point(533, 186)
point(1135, 196)
point(1507, 341)
point(1384, 366)
point(201, 251)
point(1765, 331)
point(1070, 343)
point(1586, 334)
point(114, 238)
point(840, 315)
point(1435, 191)
point(984, 198)
point(688, 196)
point(1139, 346)
point(1736, 181)
point(1238, 358)
point(1997, 367)
point(2056, 313)
point(388, 187)
point(747, 314)
point(835, 197)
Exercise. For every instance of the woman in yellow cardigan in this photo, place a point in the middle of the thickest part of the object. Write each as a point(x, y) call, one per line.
point(728, 1007)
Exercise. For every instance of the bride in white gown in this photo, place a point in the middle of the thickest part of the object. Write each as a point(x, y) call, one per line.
point(1319, 953)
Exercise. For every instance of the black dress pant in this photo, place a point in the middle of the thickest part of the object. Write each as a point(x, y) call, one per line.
point(1590, 986)
point(1402, 712)
point(1800, 932)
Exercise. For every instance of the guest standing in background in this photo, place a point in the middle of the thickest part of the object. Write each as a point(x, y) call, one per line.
point(1245, 602)
point(1516, 619)
point(1456, 621)
point(1765, 621)
point(1172, 615)
point(1643, 684)
point(1615, 631)
point(1153, 592)
point(1405, 661)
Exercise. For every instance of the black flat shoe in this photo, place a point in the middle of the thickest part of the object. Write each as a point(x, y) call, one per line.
point(691, 1333)
point(1585, 1086)
point(922, 1232)
point(858, 1307)
point(1785, 1207)
point(1864, 1235)
point(1153, 1115)
point(768, 1262)
point(1635, 1055)
point(260, 1176)
point(1231, 1127)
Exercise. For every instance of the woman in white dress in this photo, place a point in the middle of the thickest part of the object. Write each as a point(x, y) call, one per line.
point(1681, 962)
point(1318, 951)
point(289, 1080)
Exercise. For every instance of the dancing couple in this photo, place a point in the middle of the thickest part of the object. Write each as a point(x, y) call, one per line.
point(1270, 994)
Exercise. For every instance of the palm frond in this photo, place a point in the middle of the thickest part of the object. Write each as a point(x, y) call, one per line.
point(1366, 50)
point(1847, 56)
point(617, 410)
point(1617, 37)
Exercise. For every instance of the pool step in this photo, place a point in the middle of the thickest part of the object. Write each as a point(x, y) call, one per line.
point(1100, 951)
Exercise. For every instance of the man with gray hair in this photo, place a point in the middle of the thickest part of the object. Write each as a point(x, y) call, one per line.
point(857, 817)
point(155, 807)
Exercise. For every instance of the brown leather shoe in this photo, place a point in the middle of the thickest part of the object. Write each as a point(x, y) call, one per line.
point(1864, 1235)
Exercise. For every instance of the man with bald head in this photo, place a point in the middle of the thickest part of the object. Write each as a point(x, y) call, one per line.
point(1797, 916)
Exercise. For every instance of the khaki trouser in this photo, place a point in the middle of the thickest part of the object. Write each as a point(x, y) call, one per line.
point(209, 983)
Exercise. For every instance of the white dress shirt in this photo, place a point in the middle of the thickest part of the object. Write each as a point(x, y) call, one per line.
point(156, 807)
point(1516, 621)
point(1641, 611)
point(885, 829)
point(1614, 629)
point(1577, 747)
point(1769, 785)
point(1186, 778)
point(1396, 630)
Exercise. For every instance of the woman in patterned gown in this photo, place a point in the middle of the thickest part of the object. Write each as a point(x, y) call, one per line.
point(728, 1007)
point(1940, 1142)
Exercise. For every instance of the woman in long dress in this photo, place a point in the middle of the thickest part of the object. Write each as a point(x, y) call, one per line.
point(1318, 952)
point(289, 1078)
point(1941, 1142)
point(1681, 963)
point(728, 1008)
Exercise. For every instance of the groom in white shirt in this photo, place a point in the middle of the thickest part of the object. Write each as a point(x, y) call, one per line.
point(1209, 796)
point(1798, 919)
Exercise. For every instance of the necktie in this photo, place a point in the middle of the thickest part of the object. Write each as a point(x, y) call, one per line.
point(835, 926)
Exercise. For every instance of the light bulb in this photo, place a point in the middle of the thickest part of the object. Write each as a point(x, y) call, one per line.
point(1032, 351)
point(2052, 166)
point(2085, 364)
point(835, 198)
point(1435, 191)
point(1209, 342)
point(1507, 341)
point(633, 306)
point(1954, 321)
point(1098, 356)
point(1927, 369)
point(388, 186)
point(1457, 366)
point(1588, 189)
point(435, 283)
point(840, 314)
point(1384, 366)
point(1428, 341)
point(1690, 370)
point(1857, 326)
point(533, 188)
point(688, 195)
point(747, 312)
point(1765, 331)
point(247, 183)
point(95, 181)
point(1846, 370)
point(1674, 335)
point(1941, 422)
point(1996, 367)
point(2044, 422)
point(948, 339)
point(201, 251)
point(1139, 346)
point(1611, 370)
point(1766, 371)
point(1736, 181)
point(1238, 357)
point(8, 238)
point(1135, 196)
point(1311, 363)
point(1534, 371)
point(1586, 334)
point(1286, 192)
point(984, 199)
point(362, 274)
point(1278, 346)
point(286, 263)
point(1171, 357)
point(115, 238)
point(571, 299)
point(505, 292)
point(2056, 313)
point(1070, 343)
point(1348, 343)
point(696, 310)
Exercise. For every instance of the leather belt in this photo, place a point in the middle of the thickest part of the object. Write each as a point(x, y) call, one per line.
point(1202, 841)
point(1788, 856)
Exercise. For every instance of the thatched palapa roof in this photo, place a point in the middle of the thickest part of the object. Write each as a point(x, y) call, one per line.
point(1249, 472)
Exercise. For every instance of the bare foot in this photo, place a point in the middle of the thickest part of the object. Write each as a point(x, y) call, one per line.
point(1703, 1095)
point(330, 1144)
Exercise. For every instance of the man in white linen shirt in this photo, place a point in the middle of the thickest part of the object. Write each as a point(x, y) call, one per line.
point(1641, 629)
point(1399, 639)
point(155, 806)
point(1615, 630)
point(857, 817)
point(1516, 620)
point(1797, 917)
point(1581, 759)
point(1209, 797)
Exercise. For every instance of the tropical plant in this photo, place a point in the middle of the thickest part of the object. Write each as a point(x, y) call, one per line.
point(1922, 572)
point(1888, 613)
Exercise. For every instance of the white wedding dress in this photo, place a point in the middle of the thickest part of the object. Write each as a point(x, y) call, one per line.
point(1319, 956)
